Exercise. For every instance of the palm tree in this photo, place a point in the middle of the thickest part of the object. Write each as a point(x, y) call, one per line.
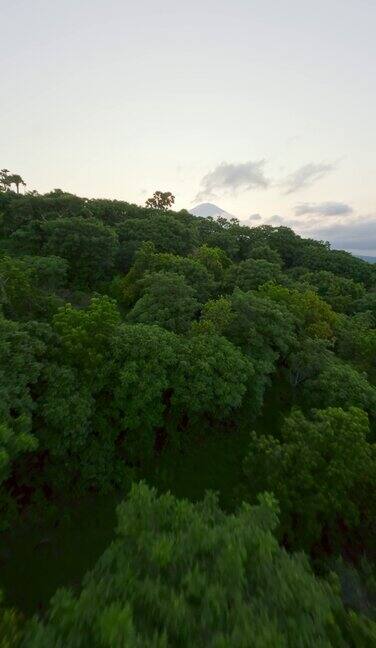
point(17, 180)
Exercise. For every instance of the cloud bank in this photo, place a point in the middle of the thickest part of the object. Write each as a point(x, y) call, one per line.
point(323, 209)
point(357, 234)
point(233, 177)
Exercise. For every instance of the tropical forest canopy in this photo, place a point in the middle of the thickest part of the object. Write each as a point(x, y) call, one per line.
point(130, 332)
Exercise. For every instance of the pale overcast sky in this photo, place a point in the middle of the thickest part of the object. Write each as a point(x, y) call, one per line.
point(260, 106)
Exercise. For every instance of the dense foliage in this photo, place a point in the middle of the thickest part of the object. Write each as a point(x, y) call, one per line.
point(180, 574)
point(123, 331)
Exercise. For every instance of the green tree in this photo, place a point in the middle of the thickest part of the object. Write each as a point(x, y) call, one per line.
point(260, 326)
point(213, 377)
point(216, 316)
point(323, 472)
point(181, 575)
point(18, 294)
point(20, 366)
point(146, 359)
point(314, 316)
point(77, 423)
point(262, 329)
point(219, 235)
point(147, 260)
point(316, 256)
point(5, 179)
point(167, 300)
point(46, 273)
point(161, 200)
point(27, 286)
point(340, 385)
point(281, 239)
point(89, 246)
point(32, 208)
point(308, 359)
point(251, 274)
point(168, 231)
point(356, 341)
point(214, 259)
point(195, 273)
point(264, 251)
point(86, 337)
point(341, 293)
point(67, 406)
point(367, 303)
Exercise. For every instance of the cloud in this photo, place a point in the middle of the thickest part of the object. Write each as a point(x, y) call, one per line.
point(275, 220)
point(356, 234)
point(306, 176)
point(323, 209)
point(232, 177)
point(252, 220)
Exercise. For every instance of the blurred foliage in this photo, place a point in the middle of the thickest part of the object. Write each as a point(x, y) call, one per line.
point(127, 333)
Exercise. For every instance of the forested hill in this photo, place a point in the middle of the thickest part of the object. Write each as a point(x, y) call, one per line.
point(370, 259)
point(127, 333)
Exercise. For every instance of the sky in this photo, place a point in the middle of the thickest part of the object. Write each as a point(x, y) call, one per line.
point(264, 107)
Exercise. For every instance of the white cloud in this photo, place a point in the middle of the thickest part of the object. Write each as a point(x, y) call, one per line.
point(275, 220)
point(323, 209)
point(306, 176)
point(233, 177)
